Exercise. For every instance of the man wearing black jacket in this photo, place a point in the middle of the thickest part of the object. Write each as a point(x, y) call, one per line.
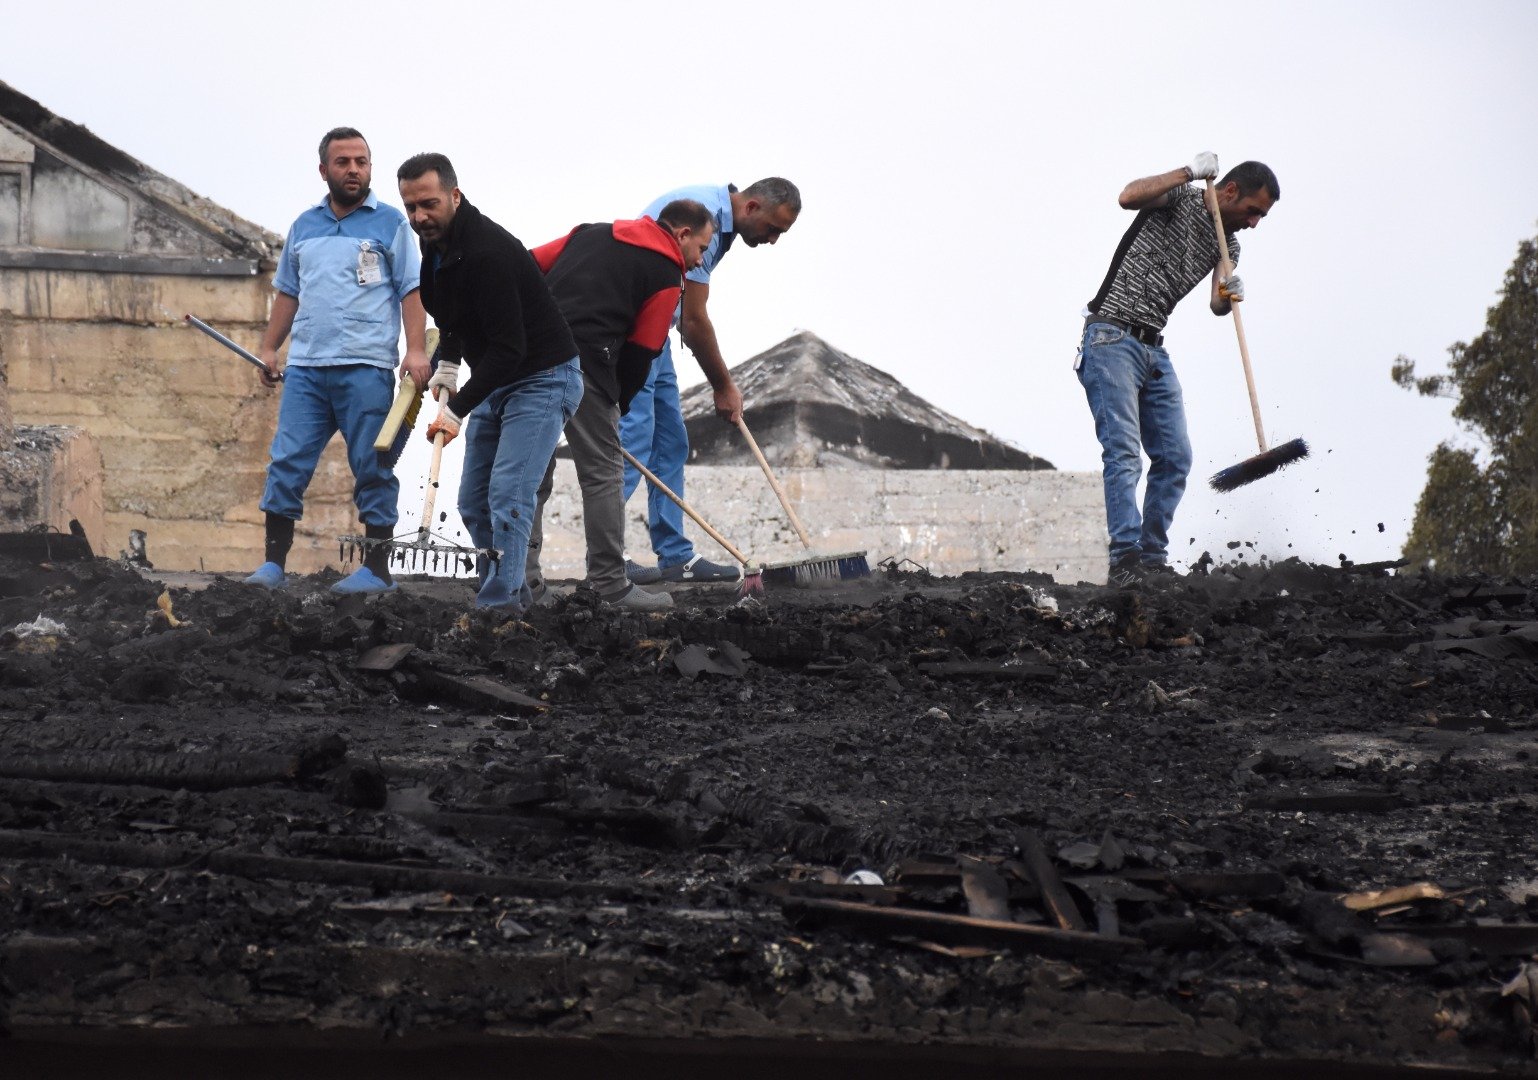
point(618, 285)
point(493, 311)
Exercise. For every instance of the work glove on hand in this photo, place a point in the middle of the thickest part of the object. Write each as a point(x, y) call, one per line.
point(1231, 288)
point(1204, 166)
point(444, 381)
point(445, 422)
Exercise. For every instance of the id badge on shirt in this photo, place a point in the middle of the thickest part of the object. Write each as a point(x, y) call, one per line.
point(370, 272)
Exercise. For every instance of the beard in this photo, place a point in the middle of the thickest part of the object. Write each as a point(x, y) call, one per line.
point(342, 197)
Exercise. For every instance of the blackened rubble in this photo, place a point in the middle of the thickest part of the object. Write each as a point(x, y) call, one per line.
point(411, 819)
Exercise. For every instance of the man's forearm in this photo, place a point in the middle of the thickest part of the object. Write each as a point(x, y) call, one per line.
point(414, 320)
point(700, 338)
point(1151, 189)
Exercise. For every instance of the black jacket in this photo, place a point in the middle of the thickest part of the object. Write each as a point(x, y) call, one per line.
point(618, 285)
point(492, 308)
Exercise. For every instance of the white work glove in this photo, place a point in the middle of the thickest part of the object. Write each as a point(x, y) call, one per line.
point(1231, 288)
point(446, 379)
point(1204, 166)
point(446, 422)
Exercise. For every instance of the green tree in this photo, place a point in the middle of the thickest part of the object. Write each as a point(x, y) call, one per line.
point(1485, 518)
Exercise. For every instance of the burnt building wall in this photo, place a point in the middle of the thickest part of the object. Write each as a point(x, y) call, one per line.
point(100, 258)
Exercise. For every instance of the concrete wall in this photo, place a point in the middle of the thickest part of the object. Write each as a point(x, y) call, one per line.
point(182, 425)
point(951, 521)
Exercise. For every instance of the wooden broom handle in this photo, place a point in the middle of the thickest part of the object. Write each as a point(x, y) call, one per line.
point(685, 507)
point(424, 530)
point(1233, 309)
point(742, 426)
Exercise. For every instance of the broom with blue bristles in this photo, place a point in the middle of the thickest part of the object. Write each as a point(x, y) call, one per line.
point(1269, 460)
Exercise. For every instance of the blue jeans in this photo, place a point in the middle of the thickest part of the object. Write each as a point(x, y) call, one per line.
point(653, 430)
point(1136, 401)
point(509, 439)
point(317, 403)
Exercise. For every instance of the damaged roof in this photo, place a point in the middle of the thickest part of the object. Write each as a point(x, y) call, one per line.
point(811, 404)
point(152, 214)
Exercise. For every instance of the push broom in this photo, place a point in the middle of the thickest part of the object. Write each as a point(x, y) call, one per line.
point(1270, 460)
point(752, 575)
point(850, 564)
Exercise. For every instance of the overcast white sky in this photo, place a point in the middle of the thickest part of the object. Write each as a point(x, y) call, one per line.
point(960, 165)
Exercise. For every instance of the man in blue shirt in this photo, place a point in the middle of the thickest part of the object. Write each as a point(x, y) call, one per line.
point(346, 281)
point(653, 430)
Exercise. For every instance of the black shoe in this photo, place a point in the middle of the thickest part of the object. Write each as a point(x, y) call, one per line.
point(642, 575)
point(1125, 573)
point(1158, 571)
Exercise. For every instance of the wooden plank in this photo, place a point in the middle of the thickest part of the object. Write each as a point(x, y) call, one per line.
point(1367, 802)
point(1060, 905)
point(986, 891)
point(979, 669)
point(951, 929)
point(478, 692)
point(385, 657)
point(1479, 595)
point(1492, 939)
point(1382, 898)
point(1206, 884)
point(381, 877)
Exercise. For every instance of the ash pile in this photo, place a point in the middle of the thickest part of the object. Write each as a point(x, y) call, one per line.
point(1262, 814)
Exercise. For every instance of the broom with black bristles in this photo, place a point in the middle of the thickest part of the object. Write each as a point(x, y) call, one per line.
point(818, 569)
point(1270, 460)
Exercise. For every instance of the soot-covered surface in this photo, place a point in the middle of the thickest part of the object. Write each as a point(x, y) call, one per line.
point(1116, 823)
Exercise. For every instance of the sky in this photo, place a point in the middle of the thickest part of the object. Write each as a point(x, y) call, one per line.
point(959, 165)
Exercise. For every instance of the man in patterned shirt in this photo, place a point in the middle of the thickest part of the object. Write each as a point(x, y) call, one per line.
point(1126, 373)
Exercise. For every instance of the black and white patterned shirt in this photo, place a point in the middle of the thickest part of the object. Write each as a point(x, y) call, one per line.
point(1164, 253)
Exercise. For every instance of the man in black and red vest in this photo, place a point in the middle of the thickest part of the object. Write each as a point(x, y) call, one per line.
point(617, 285)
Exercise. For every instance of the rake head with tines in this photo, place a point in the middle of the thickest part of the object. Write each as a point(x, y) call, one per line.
point(423, 552)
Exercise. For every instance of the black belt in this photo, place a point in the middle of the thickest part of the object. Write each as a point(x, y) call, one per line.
point(1147, 335)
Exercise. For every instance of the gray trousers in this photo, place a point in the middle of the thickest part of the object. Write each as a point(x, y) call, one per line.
point(593, 435)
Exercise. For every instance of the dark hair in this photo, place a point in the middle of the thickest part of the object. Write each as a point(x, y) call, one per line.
point(684, 214)
point(1251, 176)
point(775, 191)
point(419, 165)
point(338, 133)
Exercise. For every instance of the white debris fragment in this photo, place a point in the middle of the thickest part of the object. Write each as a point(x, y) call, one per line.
point(42, 626)
point(864, 877)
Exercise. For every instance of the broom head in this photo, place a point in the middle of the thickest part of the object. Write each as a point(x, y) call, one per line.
point(822, 570)
point(1260, 466)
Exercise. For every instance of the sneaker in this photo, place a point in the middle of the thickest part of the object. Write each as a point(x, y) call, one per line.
point(700, 568)
point(637, 599)
point(1159, 570)
point(269, 576)
point(1125, 573)
point(363, 580)
point(642, 575)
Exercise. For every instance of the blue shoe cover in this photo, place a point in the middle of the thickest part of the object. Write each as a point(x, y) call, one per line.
point(363, 580)
point(269, 576)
